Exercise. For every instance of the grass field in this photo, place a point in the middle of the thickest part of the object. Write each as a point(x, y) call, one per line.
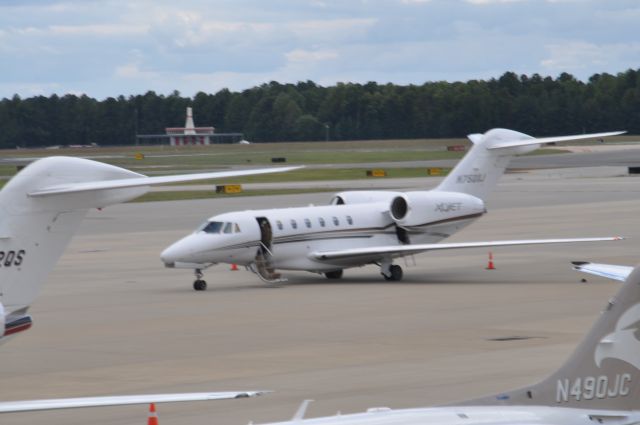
point(159, 160)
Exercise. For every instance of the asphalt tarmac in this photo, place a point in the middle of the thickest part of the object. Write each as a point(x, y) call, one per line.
point(111, 320)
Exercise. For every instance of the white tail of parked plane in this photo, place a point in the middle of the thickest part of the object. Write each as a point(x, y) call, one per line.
point(40, 210)
point(42, 207)
point(598, 384)
point(604, 370)
point(479, 171)
point(35, 230)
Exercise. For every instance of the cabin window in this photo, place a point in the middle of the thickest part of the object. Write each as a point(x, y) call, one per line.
point(307, 222)
point(321, 221)
point(228, 228)
point(279, 224)
point(294, 224)
point(212, 227)
point(336, 221)
point(349, 220)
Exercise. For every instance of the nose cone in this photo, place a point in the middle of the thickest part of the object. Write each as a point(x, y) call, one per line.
point(480, 206)
point(179, 252)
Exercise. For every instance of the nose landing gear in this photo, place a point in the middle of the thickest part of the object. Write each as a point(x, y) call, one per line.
point(199, 284)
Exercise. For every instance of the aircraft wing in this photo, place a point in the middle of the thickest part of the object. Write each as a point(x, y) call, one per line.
point(378, 252)
point(610, 271)
point(149, 181)
point(543, 140)
point(69, 403)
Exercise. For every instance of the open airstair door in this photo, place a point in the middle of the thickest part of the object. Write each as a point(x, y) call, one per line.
point(263, 266)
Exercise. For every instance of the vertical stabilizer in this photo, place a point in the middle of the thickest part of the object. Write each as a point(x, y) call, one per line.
point(42, 207)
point(478, 172)
point(36, 230)
point(603, 372)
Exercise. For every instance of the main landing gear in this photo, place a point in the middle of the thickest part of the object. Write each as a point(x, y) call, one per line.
point(199, 284)
point(391, 272)
point(335, 274)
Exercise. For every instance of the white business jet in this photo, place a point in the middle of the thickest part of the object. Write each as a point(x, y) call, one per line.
point(597, 385)
point(362, 227)
point(40, 210)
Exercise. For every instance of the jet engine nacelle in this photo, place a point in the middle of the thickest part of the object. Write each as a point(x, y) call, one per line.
point(363, 197)
point(430, 207)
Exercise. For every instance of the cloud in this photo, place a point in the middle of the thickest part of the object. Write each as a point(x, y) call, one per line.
point(575, 56)
point(306, 56)
point(100, 30)
point(487, 2)
point(414, 1)
point(315, 31)
point(133, 71)
point(111, 47)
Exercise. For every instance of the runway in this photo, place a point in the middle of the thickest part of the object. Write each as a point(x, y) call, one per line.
point(112, 320)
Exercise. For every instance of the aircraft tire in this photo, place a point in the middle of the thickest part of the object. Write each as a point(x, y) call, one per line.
point(336, 274)
point(396, 273)
point(200, 285)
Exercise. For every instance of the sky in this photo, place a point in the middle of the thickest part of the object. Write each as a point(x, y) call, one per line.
point(107, 48)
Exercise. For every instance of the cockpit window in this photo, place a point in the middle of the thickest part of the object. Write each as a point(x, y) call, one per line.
point(212, 227)
point(236, 228)
point(228, 228)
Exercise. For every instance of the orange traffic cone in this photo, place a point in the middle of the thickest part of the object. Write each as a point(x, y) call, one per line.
point(153, 417)
point(490, 266)
point(234, 267)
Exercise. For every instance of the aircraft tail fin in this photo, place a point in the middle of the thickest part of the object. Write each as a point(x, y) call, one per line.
point(34, 231)
point(478, 172)
point(43, 205)
point(603, 372)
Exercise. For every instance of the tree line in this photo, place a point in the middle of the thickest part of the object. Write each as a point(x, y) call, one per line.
point(306, 111)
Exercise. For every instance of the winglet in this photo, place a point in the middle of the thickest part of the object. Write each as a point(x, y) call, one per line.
point(299, 415)
point(609, 271)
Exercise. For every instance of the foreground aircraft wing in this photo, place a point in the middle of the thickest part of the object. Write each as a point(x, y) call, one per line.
point(377, 252)
point(149, 181)
point(610, 271)
point(70, 403)
point(542, 140)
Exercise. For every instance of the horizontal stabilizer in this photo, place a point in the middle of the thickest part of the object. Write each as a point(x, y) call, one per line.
point(71, 403)
point(610, 271)
point(149, 181)
point(398, 250)
point(499, 144)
